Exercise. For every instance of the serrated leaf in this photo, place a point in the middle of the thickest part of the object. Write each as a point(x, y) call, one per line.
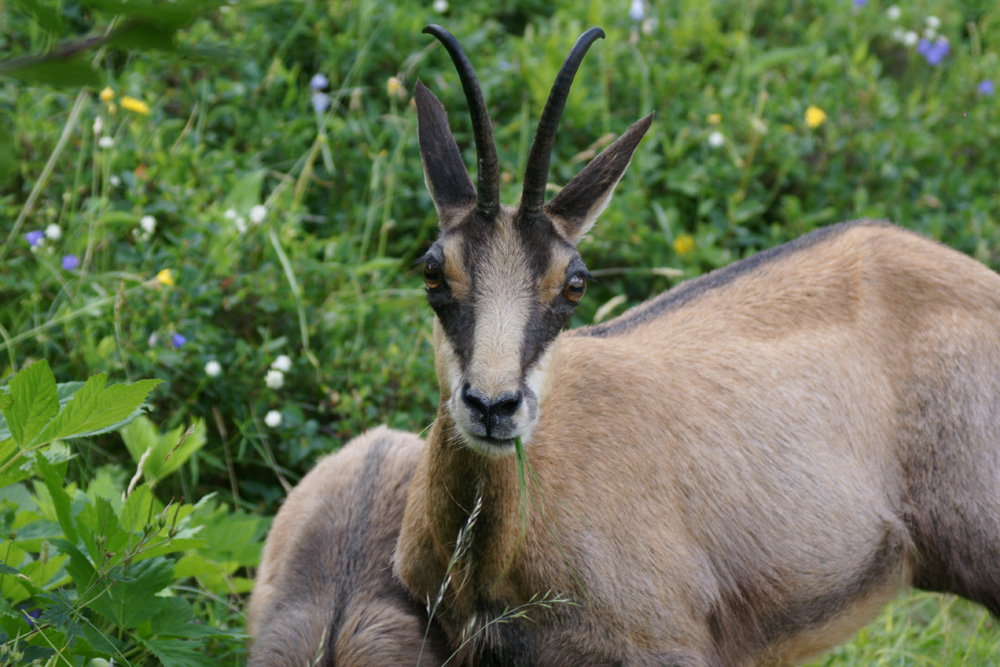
point(79, 567)
point(132, 599)
point(177, 620)
point(178, 653)
point(66, 390)
point(95, 408)
point(34, 402)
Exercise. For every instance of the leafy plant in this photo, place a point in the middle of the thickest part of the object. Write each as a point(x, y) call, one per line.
point(91, 573)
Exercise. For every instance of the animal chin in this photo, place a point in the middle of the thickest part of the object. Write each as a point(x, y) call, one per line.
point(493, 447)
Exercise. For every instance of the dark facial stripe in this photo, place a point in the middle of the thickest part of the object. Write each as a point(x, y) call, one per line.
point(692, 289)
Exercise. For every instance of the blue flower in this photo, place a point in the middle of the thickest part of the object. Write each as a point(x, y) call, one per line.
point(321, 101)
point(986, 87)
point(319, 82)
point(178, 340)
point(31, 616)
point(860, 3)
point(35, 237)
point(637, 10)
point(934, 52)
point(70, 262)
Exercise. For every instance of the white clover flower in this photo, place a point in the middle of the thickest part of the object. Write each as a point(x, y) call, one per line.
point(933, 22)
point(115, 181)
point(283, 363)
point(897, 35)
point(910, 38)
point(105, 142)
point(240, 223)
point(716, 139)
point(894, 12)
point(273, 418)
point(930, 33)
point(53, 232)
point(98, 125)
point(257, 214)
point(213, 368)
point(274, 379)
point(231, 214)
point(440, 6)
point(148, 224)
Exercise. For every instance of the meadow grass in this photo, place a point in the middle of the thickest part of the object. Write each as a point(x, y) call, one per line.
point(285, 219)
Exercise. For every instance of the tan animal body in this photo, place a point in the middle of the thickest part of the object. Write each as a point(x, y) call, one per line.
point(741, 471)
point(325, 593)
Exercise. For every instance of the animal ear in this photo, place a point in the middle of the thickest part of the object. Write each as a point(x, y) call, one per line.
point(575, 209)
point(444, 172)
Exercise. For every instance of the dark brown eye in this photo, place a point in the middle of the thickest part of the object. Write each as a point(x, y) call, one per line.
point(432, 275)
point(575, 287)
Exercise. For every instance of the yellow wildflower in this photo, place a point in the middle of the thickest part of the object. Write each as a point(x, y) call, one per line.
point(107, 94)
point(135, 105)
point(714, 118)
point(165, 277)
point(815, 117)
point(394, 86)
point(683, 244)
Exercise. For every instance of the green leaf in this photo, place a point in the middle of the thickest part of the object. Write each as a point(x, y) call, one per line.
point(167, 452)
point(12, 474)
point(95, 408)
point(8, 159)
point(166, 14)
point(176, 620)
point(60, 499)
point(178, 653)
point(132, 599)
point(52, 70)
point(34, 402)
point(79, 567)
point(144, 36)
point(6, 400)
point(43, 15)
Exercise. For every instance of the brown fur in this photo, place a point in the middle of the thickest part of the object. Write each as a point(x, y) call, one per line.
point(744, 478)
point(325, 586)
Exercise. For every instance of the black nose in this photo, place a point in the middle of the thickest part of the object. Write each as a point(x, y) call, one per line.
point(494, 414)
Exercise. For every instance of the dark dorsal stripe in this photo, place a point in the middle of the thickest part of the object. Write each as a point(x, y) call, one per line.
point(691, 290)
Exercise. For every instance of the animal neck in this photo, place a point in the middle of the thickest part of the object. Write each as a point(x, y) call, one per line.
point(463, 523)
point(477, 496)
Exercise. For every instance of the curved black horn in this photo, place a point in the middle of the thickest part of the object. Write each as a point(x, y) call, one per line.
point(536, 174)
point(488, 167)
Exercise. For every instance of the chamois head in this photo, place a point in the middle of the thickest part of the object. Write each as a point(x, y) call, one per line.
point(503, 281)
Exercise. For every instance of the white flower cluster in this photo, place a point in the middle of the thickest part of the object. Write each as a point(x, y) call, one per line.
point(911, 38)
point(144, 232)
point(275, 379)
point(257, 215)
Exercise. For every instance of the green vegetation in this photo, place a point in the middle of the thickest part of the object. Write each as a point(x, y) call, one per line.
point(247, 240)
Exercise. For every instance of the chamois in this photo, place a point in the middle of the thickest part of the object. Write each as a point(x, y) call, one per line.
point(741, 471)
point(325, 594)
